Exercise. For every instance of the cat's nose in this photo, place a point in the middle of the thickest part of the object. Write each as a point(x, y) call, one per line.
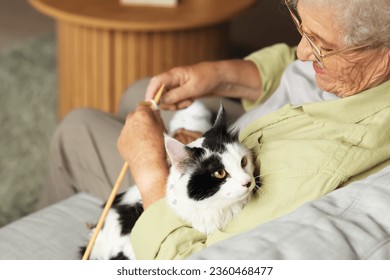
point(247, 185)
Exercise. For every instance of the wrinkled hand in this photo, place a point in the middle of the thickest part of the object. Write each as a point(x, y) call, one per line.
point(184, 84)
point(186, 136)
point(227, 78)
point(141, 145)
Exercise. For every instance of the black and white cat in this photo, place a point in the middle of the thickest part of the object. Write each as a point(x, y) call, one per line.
point(210, 181)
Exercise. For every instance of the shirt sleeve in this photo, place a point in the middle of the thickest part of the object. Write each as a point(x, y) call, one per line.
point(160, 234)
point(271, 63)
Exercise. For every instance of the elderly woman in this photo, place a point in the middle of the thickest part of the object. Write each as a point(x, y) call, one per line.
point(315, 123)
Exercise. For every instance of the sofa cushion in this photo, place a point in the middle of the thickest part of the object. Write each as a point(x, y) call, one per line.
point(53, 233)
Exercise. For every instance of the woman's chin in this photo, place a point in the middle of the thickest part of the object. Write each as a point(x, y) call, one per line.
point(324, 84)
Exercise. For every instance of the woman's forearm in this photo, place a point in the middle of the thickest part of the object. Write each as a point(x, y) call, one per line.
point(238, 79)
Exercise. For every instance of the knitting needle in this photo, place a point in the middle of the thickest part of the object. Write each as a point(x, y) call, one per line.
point(118, 182)
point(155, 101)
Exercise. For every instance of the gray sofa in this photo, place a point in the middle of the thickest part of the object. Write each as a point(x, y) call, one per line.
point(352, 222)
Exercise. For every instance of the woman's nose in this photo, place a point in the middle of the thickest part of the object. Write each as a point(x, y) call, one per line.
point(304, 50)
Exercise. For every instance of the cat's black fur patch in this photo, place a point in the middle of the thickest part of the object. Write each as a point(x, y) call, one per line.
point(118, 198)
point(218, 136)
point(119, 256)
point(202, 183)
point(128, 215)
point(196, 153)
point(82, 251)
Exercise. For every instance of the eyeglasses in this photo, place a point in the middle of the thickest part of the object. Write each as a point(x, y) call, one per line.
point(319, 53)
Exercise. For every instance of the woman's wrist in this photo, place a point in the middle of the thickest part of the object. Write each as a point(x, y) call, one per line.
point(152, 191)
point(152, 184)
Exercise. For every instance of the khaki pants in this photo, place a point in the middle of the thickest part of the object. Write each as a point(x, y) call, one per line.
point(83, 150)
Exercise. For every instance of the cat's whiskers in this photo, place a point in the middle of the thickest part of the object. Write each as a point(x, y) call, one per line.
point(257, 187)
point(257, 181)
point(261, 192)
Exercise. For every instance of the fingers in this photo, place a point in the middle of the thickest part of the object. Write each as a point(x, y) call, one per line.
point(178, 90)
point(146, 112)
point(178, 106)
point(152, 88)
point(143, 108)
point(170, 79)
point(178, 95)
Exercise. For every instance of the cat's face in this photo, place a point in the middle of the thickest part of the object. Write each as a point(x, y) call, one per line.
point(215, 168)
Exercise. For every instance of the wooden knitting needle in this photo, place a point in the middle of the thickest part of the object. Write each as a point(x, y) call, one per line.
point(115, 189)
point(155, 100)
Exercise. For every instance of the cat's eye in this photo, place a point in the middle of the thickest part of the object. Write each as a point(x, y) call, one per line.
point(244, 162)
point(220, 174)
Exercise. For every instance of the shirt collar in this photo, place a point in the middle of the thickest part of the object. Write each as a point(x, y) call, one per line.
point(350, 109)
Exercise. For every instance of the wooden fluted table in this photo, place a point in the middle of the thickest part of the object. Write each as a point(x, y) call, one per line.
point(103, 46)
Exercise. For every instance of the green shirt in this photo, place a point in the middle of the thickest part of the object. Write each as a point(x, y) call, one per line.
point(303, 152)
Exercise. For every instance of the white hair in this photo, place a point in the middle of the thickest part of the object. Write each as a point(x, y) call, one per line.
point(362, 21)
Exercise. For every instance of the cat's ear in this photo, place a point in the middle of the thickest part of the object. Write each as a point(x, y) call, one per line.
point(221, 119)
point(218, 135)
point(221, 125)
point(176, 151)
